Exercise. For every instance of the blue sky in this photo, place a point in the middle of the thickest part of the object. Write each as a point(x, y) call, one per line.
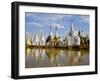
point(41, 22)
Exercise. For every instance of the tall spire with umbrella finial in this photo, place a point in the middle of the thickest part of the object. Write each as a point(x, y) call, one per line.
point(56, 34)
point(50, 32)
point(50, 36)
point(71, 29)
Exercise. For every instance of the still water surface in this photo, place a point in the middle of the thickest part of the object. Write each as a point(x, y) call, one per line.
point(55, 57)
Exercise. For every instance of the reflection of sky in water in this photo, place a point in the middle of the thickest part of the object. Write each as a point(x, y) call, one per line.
point(55, 57)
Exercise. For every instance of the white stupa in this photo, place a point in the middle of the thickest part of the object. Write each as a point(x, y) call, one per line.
point(72, 37)
point(27, 39)
point(42, 40)
point(35, 40)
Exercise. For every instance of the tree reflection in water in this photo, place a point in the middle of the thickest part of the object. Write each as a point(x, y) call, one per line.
point(53, 57)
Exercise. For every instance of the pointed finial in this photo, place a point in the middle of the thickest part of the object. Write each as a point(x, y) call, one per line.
point(50, 26)
point(56, 28)
point(72, 25)
point(50, 32)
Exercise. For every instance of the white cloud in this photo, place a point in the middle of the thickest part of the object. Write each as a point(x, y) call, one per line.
point(34, 24)
point(57, 25)
point(55, 17)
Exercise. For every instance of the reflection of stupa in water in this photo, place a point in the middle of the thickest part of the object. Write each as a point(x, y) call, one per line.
point(52, 53)
point(39, 54)
point(55, 57)
point(73, 57)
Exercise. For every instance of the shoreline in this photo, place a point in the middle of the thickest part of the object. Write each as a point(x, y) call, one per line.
point(59, 47)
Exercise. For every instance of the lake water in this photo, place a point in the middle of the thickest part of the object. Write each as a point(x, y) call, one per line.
point(54, 57)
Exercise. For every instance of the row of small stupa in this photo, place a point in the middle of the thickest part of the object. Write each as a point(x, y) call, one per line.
point(71, 38)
